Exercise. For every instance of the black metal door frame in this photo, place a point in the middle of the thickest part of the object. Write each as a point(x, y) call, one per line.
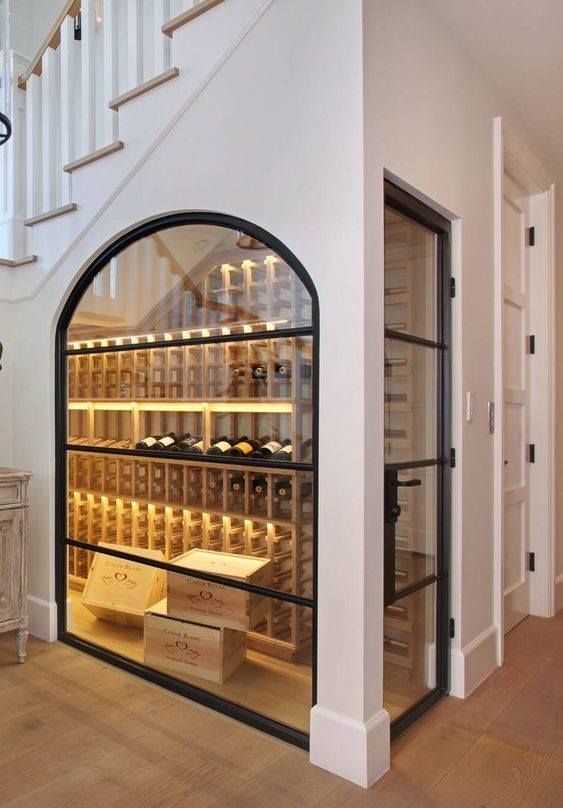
point(411, 207)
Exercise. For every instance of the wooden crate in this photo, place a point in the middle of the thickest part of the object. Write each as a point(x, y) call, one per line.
point(186, 649)
point(120, 590)
point(213, 604)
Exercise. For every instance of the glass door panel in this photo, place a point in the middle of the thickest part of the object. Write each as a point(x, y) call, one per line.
point(416, 432)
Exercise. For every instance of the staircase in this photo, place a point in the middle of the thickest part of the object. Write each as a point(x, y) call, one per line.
point(109, 81)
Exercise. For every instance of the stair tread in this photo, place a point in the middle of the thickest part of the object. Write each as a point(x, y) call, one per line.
point(156, 81)
point(104, 151)
point(187, 16)
point(16, 262)
point(50, 214)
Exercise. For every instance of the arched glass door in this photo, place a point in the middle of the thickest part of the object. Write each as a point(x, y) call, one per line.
point(187, 384)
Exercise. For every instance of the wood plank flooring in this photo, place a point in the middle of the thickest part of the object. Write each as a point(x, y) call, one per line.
point(74, 732)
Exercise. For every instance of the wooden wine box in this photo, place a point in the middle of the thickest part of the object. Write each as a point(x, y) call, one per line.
point(186, 649)
point(213, 604)
point(121, 590)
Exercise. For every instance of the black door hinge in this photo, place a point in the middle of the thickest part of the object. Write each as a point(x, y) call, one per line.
point(78, 27)
point(452, 458)
point(531, 236)
point(532, 344)
point(532, 453)
point(452, 628)
point(532, 562)
point(452, 287)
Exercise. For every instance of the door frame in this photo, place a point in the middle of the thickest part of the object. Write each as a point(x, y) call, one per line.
point(512, 156)
point(410, 204)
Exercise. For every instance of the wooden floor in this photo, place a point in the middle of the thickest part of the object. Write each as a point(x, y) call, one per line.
point(74, 732)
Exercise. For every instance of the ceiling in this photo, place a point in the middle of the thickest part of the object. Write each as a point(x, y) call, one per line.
point(519, 43)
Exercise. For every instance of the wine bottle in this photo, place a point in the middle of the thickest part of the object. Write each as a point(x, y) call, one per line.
point(216, 482)
point(243, 447)
point(148, 442)
point(269, 448)
point(220, 446)
point(164, 444)
point(259, 372)
point(284, 489)
point(237, 483)
point(195, 448)
point(285, 454)
point(283, 370)
point(186, 442)
point(260, 486)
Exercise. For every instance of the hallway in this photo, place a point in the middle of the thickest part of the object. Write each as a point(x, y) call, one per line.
point(74, 732)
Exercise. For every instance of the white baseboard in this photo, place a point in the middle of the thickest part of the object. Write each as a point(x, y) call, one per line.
point(42, 618)
point(472, 664)
point(358, 751)
point(559, 592)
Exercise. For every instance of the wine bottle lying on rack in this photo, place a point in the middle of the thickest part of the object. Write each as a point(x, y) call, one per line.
point(195, 448)
point(237, 483)
point(270, 448)
point(245, 446)
point(164, 443)
point(260, 486)
point(185, 443)
point(220, 445)
point(259, 372)
point(285, 454)
point(149, 442)
point(284, 489)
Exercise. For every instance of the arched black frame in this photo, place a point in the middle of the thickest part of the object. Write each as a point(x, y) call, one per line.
point(147, 228)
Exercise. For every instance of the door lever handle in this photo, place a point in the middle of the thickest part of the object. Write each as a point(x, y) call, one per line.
point(408, 483)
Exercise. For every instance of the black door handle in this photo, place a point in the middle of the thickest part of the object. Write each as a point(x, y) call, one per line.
point(408, 483)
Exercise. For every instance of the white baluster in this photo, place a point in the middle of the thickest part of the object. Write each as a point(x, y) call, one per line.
point(49, 140)
point(69, 48)
point(33, 143)
point(161, 42)
point(88, 71)
point(134, 43)
point(111, 69)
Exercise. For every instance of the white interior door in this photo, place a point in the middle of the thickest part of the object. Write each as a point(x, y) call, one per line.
point(515, 251)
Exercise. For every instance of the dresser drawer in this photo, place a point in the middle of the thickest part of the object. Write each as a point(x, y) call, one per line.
point(10, 493)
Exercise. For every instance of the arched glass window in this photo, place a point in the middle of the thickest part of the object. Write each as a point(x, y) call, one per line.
point(186, 474)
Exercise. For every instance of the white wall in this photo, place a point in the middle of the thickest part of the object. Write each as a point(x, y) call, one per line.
point(31, 21)
point(275, 138)
point(429, 120)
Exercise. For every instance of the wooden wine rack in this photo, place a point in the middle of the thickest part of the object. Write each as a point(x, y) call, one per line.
point(174, 507)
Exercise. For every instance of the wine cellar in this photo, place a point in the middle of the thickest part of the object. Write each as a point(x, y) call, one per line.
point(189, 431)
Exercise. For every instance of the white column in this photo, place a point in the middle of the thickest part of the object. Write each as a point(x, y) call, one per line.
point(33, 143)
point(68, 102)
point(111, 69)
point(134, 43)
point(161, 42)
point(49, 144)
point(88, 98)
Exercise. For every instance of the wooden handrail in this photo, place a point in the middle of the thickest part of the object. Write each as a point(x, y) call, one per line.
point(52, 40)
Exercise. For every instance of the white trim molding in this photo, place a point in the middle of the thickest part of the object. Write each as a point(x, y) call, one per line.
point(356, 750)
point(42, 618)
point(472, 664)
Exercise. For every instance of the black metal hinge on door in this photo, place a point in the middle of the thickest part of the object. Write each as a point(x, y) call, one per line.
point(532, 344)
point(452, 287)
point(532, 453)
point(532, 562)
point(452, 458)
point(531, 236)
point(452, 628)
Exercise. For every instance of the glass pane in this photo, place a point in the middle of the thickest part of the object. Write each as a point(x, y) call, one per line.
point(179, 507)
point(410, 402)
point(189, 281)
point(409, 670)
point(410, 276)
point(416, 531)
point(260, 390)
point(235, 650)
